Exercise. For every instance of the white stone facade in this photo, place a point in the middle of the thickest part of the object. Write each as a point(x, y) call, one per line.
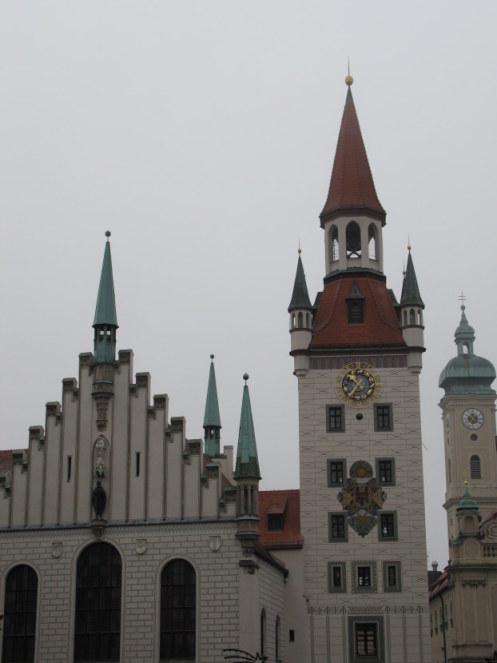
point(402, 615)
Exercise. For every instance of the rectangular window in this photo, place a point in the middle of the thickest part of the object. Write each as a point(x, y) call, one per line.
point(275, 521)
point(383, 419)
point(337, 526)
point(68, 468)
point(137, 463)
point(335, 419)
point(387, 526)
point(391, 577)
point(336, 472)
point(366, 640)
point(291, 635)
point(364, 577)
point(385, 471)
point(336, 577)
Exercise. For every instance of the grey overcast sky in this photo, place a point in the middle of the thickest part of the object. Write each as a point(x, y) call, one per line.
point(202, 134)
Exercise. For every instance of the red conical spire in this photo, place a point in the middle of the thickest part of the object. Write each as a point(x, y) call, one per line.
point(351, 186)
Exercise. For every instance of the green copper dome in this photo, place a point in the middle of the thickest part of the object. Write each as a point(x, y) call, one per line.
point(467, 503)
point(467, 373)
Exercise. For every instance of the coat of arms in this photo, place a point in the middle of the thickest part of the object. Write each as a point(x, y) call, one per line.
point(361, 497)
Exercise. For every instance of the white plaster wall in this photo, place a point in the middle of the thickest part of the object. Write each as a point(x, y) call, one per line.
point(218, 595)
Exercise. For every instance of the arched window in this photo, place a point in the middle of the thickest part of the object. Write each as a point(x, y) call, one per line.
point(372, 240)
point(404, 315)
point(353, 239)
point(412, 317)
point(300, 318)
point(475, 467)
point(334, 246)
point(177, 612)
point(277, 638)
point(21, 591)
point(97, 631)
point(263, 633)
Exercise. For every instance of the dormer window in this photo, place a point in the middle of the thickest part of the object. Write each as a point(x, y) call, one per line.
point(355, 305)
point(275, 522)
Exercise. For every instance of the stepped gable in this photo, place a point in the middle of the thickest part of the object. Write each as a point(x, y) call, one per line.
point(380, 327)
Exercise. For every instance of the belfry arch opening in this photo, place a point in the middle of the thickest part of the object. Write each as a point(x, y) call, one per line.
point(334, 246)
point(353, 240)
point(373, 251)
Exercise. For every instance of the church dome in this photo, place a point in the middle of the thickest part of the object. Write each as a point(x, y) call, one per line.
point(467, 503)
point(467, 373)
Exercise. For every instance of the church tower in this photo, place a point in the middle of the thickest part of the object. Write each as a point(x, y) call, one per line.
point(468, 408)
point(463, 601)
point(357, 360)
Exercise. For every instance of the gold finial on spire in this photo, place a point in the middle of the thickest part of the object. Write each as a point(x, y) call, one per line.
point(404, 268)
point(462, 298)
point(409, 243)
point(348, 79)
point(300, 249)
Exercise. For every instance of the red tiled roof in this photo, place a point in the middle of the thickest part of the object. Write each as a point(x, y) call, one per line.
point(351, 185)
point(439, 585)
point(272, 501)
point(380, 327)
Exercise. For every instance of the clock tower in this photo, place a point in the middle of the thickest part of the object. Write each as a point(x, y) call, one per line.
point(357, 357)
point(468, 408)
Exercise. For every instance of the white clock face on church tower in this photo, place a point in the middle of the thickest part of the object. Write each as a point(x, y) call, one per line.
point(472, 418)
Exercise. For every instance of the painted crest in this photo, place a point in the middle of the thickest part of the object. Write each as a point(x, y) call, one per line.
point(361, 497)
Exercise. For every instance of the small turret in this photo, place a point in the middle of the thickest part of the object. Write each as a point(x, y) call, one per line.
point(247, 474)
point(105, 321)
point(300, 310)
point(212, 420)
point(411, 317)
point(467, 373)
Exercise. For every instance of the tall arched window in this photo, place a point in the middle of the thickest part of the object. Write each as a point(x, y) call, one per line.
point(97, 631)
point(21, 591)
point(334, 247)
point(177, 612)
point(263, 633)
point(353, 240)
point(372, 239)
point(475, 467)
point(277, 638)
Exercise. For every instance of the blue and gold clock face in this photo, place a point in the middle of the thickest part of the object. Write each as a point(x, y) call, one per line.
point(358, 384)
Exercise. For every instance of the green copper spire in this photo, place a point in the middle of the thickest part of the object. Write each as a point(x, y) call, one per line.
point(410, 290)
point(247, 463)
point(105, 321)
point(212, 420)
point(300, 295)
point(467, 373)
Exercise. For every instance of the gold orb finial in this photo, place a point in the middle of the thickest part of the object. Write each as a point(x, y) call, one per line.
point(404, 269)
point(348, 79)
point(409, 247)
point(300, 249)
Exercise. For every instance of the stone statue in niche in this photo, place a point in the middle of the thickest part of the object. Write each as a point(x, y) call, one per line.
point(99, 500)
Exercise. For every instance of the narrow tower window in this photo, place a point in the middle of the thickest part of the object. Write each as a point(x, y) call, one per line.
point(475, 467)
point(353, 238)
point(68, 468)
point(334, 246)
point(137, 464)
point(372, 239)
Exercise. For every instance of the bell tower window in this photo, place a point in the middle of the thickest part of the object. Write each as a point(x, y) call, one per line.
point(372, 242)
point(355, 305)
point(353, 240)
point(334, 246)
